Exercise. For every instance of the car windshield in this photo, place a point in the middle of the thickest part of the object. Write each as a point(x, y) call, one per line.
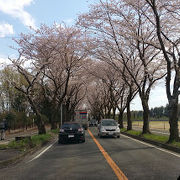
point(109, 123)
point(73, 126)
point(93, 120)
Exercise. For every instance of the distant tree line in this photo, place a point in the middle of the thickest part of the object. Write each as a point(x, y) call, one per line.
point(157, 113)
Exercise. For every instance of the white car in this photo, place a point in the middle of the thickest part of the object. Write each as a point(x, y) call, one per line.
point(108, 127)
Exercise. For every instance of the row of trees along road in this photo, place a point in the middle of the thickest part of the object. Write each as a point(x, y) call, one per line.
point(118, 49)
point(140, 39)
point(50, 61)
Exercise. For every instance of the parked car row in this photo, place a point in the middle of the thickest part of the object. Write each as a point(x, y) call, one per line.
point(73, 131)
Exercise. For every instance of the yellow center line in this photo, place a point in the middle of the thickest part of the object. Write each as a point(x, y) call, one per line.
point(120, 175)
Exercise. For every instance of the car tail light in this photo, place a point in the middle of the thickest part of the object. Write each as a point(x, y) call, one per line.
point(80, 129)
point(61, 130)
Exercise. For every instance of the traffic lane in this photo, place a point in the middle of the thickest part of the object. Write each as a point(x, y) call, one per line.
point(65, 161)
point(139, 161)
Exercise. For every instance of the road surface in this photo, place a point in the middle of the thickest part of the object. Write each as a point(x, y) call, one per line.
point(85, 161)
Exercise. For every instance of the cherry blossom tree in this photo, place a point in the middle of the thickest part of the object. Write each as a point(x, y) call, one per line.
point(31, 88)
point(56, 54)
point(164, 16)
point(122, 32)
point(74, 97)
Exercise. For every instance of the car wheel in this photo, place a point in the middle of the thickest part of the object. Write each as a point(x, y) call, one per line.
point(118, 136)
point(83, 141)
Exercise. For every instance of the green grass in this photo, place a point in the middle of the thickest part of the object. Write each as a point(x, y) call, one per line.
point(153, 137)
point(123, 129)
point(25, 144)
point(55, 131)
point(41, 139)
point(22, 145)
point(3, 146)
point(36, 140)
point(177, 144)
point(136, 133)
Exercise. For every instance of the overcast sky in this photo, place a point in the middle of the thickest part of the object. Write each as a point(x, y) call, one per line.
point(17, 16)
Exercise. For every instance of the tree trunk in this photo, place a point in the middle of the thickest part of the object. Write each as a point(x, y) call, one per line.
point(68, 115)
point(40, 125)
point(53, 120)
point(129, 121)
point(173, 106)
point(173, 120)
point(120, 119)
point(39, 121)
point(114, 113)
point(109, 113)
point(173, 99)
point(73, 115)
point(53, 125)
point(105, 112)
point(145, 115)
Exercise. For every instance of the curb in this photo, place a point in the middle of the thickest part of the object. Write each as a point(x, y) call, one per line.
point(18, 158)
point(162, 145)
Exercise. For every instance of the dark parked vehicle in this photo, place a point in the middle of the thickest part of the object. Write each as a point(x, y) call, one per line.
point(71, 131)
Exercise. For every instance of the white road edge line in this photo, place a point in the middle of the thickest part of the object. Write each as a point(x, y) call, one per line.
point(42, 152)
point(150, 145)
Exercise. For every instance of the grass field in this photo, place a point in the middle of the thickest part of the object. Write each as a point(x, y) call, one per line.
point(163, 125)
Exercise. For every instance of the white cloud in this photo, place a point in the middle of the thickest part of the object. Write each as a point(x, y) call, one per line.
point(64, 23)
point(6, 29)
point(157, 98)
point(69, 21)
point(4, 61)
point(15, 8)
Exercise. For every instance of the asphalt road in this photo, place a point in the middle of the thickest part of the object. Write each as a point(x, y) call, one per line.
point(85, 161)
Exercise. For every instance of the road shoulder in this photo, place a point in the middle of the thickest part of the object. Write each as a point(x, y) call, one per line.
point(12, 156)
point(155, 143)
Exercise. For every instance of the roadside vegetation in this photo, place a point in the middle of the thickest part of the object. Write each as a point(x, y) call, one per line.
point(154, 137)
point(55, 131)
point(30, 142)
